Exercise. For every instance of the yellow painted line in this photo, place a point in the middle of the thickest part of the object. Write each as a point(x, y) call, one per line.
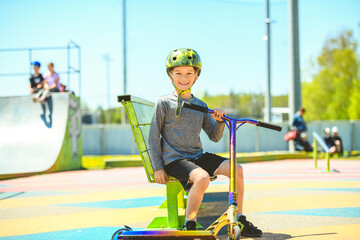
point(343, 232)
point(78, 198)
point(108, 217)
point(299, 185)
point(150, 192)
point(290, 185)
point(284, 203)
point(306, 201)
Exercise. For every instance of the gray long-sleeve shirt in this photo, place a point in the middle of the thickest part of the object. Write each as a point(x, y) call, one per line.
point(174, 138)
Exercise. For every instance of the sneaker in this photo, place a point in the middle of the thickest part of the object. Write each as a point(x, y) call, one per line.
point(189, 226)
point(247, 228)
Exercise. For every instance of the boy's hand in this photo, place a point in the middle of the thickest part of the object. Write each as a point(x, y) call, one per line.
point(161, 176)
point(218, 113)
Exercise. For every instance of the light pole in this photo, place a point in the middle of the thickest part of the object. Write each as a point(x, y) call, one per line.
point(268, 103)
point(124, 58)
point(124, 46)
point(295, 84)
point(107, 61)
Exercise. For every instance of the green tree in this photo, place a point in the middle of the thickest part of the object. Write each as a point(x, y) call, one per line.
point(334, 91)
point(354, 106)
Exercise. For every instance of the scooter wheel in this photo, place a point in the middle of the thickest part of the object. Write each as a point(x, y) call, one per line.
point(236, 232)
point(115, 236)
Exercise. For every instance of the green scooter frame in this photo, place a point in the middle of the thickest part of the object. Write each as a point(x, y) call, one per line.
point(227, 218)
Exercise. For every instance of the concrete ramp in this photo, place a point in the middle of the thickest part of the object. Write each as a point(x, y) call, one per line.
point(37, 138)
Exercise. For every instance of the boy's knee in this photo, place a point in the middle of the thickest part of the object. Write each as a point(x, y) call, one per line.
point(201, 176)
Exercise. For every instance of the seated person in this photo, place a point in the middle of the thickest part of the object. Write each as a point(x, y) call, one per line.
point(337, 140)
point(299, 125)
point(52, 83)
point(52, 79)
point(36, 79)
point(329, 141)
point(302, 142)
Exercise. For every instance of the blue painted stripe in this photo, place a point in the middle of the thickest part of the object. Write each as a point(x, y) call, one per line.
point(121, 204)
point(353, 212)
point(339, 179)
point(334, 189)
point(96, 233)
point(31, 194)
point(7, 195)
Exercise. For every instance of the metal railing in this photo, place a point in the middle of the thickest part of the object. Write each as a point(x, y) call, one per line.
point(70, 68)
point(318, 139)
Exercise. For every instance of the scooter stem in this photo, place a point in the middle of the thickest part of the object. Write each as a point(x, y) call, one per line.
point(229, 217)
point(232, 187)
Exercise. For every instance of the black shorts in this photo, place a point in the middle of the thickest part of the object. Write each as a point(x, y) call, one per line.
point(180, 169)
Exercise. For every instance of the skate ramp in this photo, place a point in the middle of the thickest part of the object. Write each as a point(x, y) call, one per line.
point(37, 138)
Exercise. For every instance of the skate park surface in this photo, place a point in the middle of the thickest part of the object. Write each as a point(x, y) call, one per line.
point(286, 199)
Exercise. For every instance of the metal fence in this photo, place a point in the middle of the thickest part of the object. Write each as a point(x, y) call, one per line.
point(112, 139)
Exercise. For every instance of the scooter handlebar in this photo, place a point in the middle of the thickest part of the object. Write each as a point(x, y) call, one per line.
point(269, 125)
point(195, 107)
point(257, 123)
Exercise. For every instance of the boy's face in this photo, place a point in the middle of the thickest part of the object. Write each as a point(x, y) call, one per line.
point(183, 77)
point(36, 68)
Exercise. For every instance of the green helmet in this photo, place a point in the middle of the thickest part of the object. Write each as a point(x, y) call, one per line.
point(183, 57)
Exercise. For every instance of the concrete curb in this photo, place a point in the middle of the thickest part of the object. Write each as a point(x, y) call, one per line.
point(102, 162)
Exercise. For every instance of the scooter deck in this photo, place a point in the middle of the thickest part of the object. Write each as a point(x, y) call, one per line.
point(171, 234)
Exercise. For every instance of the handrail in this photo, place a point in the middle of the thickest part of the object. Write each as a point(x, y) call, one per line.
point(321, 142)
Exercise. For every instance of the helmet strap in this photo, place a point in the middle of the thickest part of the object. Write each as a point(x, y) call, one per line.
point(180, 93)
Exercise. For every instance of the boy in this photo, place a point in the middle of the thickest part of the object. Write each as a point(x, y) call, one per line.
point(175, 144)
point(329, 141)
point(338, 141)
point(36, 79)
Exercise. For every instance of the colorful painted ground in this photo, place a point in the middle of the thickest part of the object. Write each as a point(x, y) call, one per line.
point(286, 199)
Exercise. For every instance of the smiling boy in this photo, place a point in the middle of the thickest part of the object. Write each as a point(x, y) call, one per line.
point(175, 145)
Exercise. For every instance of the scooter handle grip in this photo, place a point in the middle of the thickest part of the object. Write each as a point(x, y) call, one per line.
point(195, 107)
point(269, 125)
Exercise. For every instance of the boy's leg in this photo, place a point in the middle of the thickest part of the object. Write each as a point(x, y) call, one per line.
point(37, 95)
point(195, 180)
point(224, 169)
point(200, 179)
point(46, 93)
point(247, 228)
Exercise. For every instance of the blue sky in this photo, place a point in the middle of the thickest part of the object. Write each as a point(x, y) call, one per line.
point(228, 34)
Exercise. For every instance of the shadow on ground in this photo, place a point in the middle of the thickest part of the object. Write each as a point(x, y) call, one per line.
point(215, 204)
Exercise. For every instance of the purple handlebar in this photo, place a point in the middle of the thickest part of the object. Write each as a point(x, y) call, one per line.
point(244, 120)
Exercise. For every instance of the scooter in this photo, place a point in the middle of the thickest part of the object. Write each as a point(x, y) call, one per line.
point(227, 218)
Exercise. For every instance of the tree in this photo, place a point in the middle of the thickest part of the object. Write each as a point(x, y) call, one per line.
point(334, 91)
